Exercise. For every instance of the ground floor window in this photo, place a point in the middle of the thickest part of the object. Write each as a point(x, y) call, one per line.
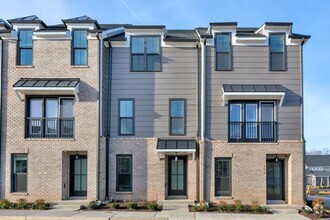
point(19, 173)
point(124, 173)
point(222, 177)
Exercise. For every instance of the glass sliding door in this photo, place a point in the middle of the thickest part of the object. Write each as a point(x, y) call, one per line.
point(267, 119)
point(66, 117)
point(251, 120)
point(235, 128)
point(35, 117)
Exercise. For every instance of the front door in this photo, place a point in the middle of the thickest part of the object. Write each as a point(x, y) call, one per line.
point(78, 175)
point(177, 176)
point(275, 180)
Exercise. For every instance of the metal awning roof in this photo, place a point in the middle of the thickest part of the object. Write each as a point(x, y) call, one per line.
point(177, 146)
point(253, 92)
point(47, 86)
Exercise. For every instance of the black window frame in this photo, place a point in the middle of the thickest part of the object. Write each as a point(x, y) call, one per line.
point(13, 183)
point(284, 52)
point(259, 137)
point(230, 52)
point(218, 159)
point(73, 48)
point(43, 128)
point(133, 117)
point(184, 116)
point(19, 48)
point(145, 54)
point(130, 156)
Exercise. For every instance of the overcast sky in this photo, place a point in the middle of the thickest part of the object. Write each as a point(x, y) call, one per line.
point(309, 17)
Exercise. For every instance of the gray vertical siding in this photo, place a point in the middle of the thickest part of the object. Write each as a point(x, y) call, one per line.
point(105, 89)
point(250, 66)
point(152, 91)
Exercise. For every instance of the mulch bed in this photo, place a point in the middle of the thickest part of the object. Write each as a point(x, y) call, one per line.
point(215, 208)
point(123, 207)
point(314, 216)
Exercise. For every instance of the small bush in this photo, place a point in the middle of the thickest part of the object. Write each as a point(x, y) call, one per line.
point(194, 208)
point(92, 205)
point(231, 207)
point(21, 204)
point(4, 204)
point(39, 204)
point(132, 205)
point(206, 207)
point(114, 205)
point(255, 206)
point(238, 205)
point(152, 205)
point(222, 206)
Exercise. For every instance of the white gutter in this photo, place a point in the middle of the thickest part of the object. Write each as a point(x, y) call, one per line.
point(203, 81)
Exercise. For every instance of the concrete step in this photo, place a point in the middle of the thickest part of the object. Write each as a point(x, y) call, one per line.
point(176, 202)
point(69, 204)
point(176, 207)
point(284, 211)
point(283, 208)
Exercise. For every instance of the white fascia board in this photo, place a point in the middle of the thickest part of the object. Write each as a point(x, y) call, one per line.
point(9, 36)
point(88, 26)
point(52, 35)
point(250, 41)
point(18, 26)
point(47, 91)
point(176, 152)
point(179, 44)
point(227, 29)
point(227, 96)
point(112, 32)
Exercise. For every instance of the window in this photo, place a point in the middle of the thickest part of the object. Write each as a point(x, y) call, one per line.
point(25, 45)
point(222, 177)
point(19, 173)
point(223, 51)
point(277, 51)
point(79, 47)
point(124, 173)
point(126, 114)
point(177, 117)
point(50, 117)
point(145, 54)
point(252, 122)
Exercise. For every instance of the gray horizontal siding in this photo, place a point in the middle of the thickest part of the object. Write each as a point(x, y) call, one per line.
point(250, 66)
point(152, 91)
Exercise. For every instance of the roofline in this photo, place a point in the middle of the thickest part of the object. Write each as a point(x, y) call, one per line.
point(81, 22)
point(180, 40)
point(299, 36)
point(278, 23)
point(14, 21)
point(223, 23)
point(145, 27)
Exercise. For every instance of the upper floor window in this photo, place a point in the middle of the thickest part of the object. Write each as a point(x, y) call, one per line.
point(177, 117)
point(223, 51)
point(277, 51)
point(19, 173)
point(145, 53)
point(79, 47)
point(126, 115)
point(50, 117)
point(252, 122)
point(25, 47)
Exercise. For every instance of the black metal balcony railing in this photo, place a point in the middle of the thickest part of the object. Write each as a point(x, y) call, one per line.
point(252, 131)
point(50, 127)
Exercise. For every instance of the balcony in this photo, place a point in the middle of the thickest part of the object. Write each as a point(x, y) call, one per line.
point(49, 127)
point(252, 132)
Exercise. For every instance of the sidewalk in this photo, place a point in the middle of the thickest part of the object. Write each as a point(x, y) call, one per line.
point(59, 214)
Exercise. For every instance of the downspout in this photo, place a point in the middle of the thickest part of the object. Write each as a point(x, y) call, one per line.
point(197, 118)
point(108, 124)
point(1, 54)
point(203, 80)
point(99, 115)
point(302, 116)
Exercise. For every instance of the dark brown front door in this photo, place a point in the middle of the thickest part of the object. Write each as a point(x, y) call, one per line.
point(275, 180)
point(177, 176)
point(78, 175)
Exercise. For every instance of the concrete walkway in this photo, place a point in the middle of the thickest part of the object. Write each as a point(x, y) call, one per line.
point(107, 215)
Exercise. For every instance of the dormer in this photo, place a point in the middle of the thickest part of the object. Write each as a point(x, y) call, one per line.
point(82, 22)
point(29, 22)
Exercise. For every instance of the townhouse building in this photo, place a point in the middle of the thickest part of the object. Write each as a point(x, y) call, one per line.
point(141, 112)
point(318, 170)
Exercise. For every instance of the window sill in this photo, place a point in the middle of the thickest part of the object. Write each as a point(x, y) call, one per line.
point(24, 66)
point(123, 193)
point(49, 139)
point(19, 194)
point(224, 197)
point(79, 66)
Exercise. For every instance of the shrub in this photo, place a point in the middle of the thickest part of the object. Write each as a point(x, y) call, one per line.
point(194, 208)
point(114, 205)
point(92, 205)
point(230, 207)
point(39, 204)
point(132, 205)
point(21, 204)
point(255, 206)
point(318, 206)
point(152, 205)
point(239, 206)
point(222, 206)
point(4, 204)
point(206, 207)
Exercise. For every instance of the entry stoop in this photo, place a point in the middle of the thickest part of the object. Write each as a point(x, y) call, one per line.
point(176, 204)
point(69, 204)
point(284, 208)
